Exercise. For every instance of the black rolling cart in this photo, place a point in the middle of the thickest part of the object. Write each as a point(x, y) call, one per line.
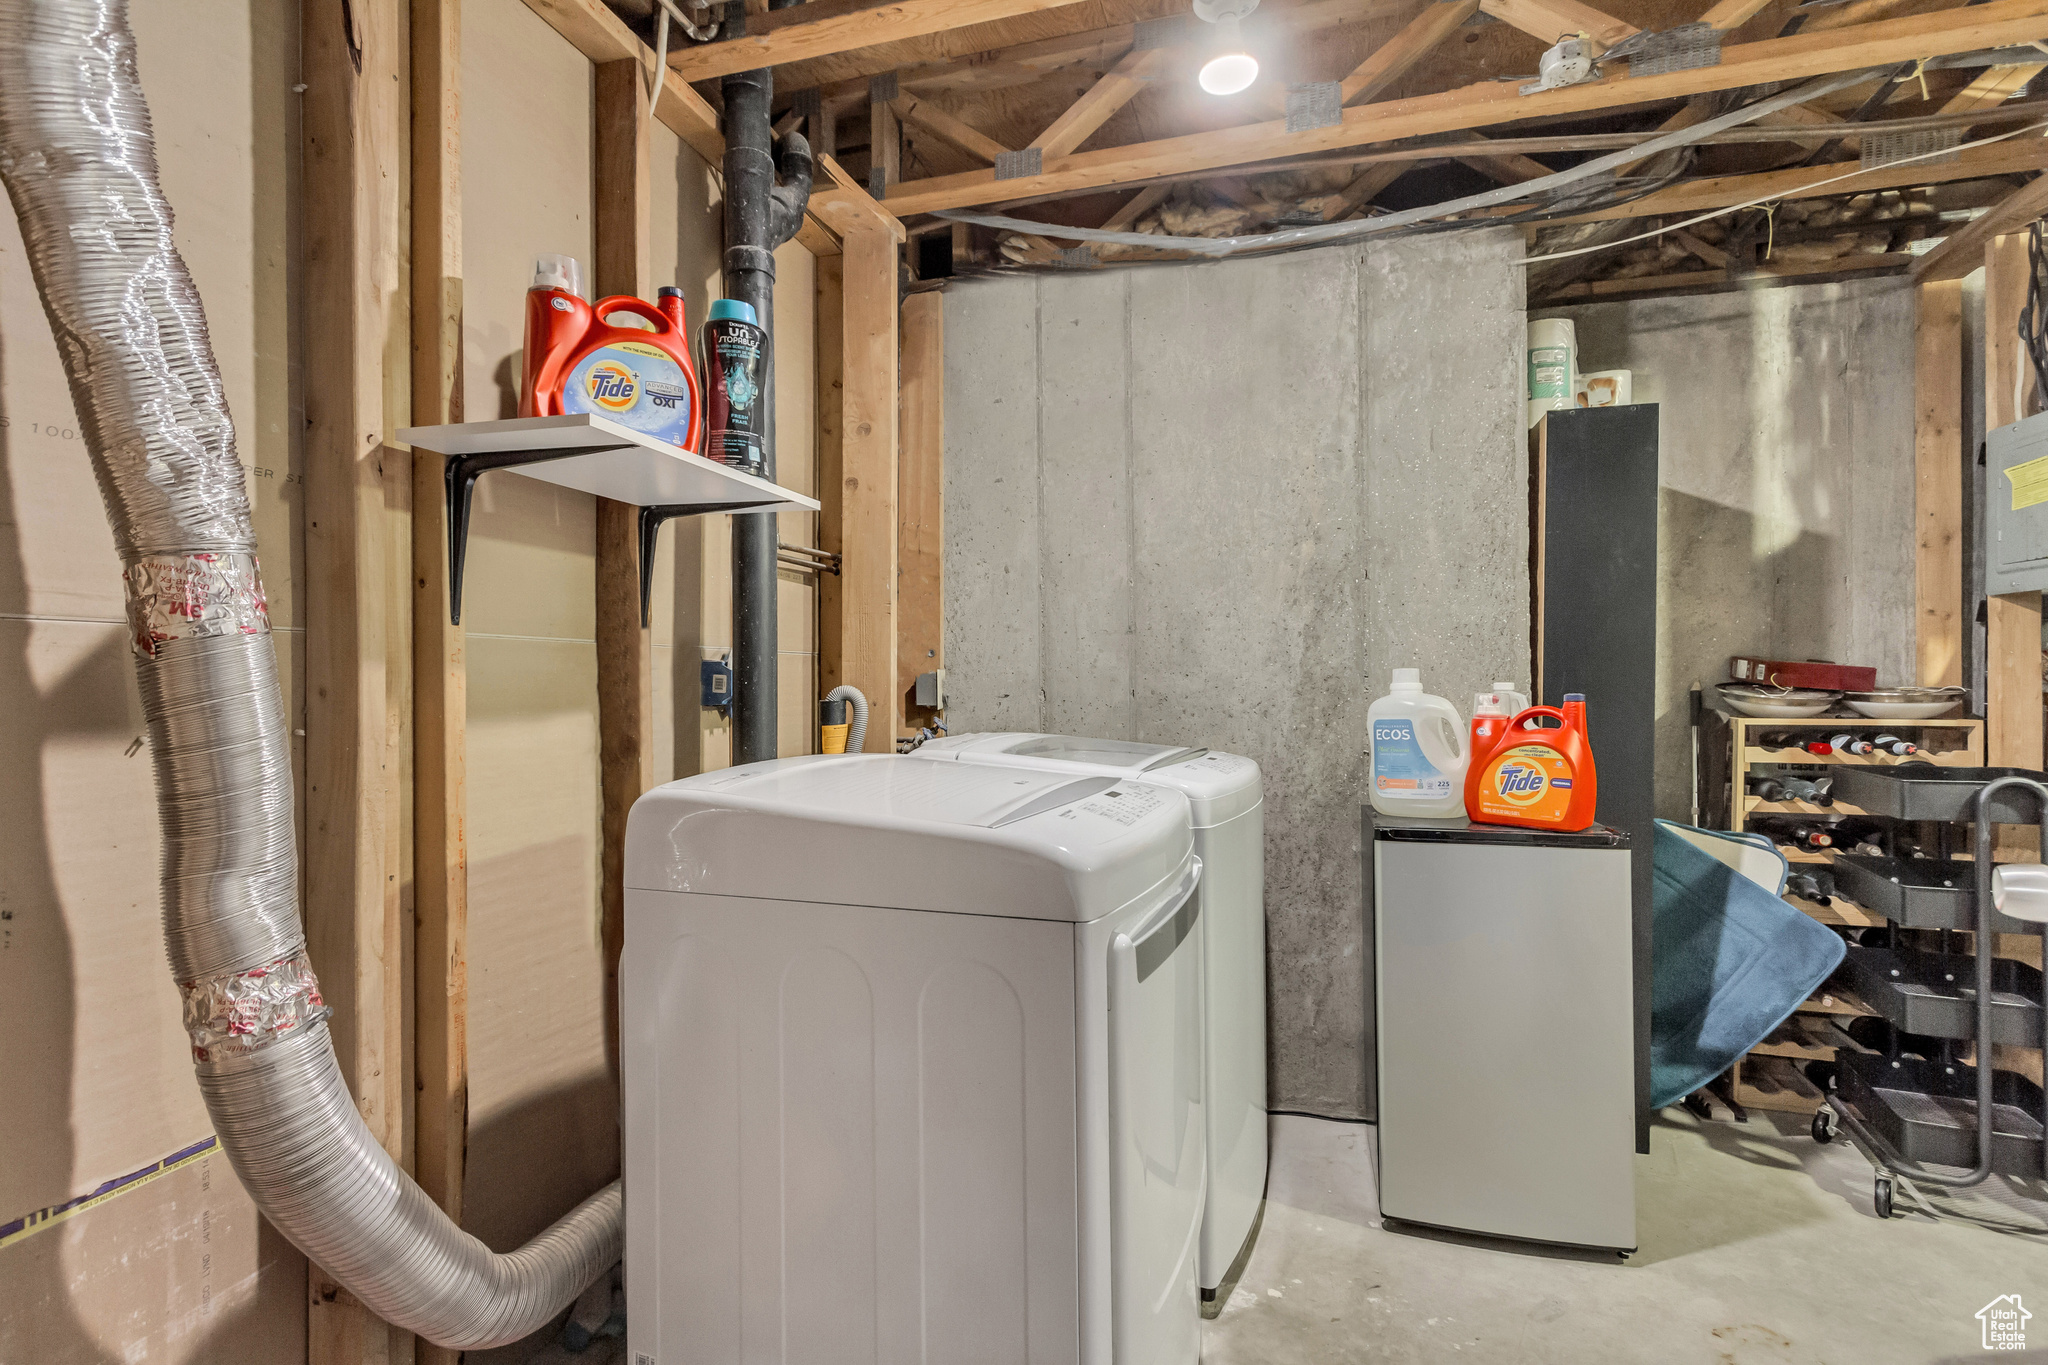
point(1915, 1104)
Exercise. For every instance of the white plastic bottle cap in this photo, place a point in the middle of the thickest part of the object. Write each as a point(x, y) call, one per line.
point(1489, 703)
point(1407, 680)
point(554, 271)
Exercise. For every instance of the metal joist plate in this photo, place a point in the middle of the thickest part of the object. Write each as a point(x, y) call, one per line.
point(882, 88)
point(1017, 165)
point(1684, 48)
point(1922, 147)
point(1319, 104)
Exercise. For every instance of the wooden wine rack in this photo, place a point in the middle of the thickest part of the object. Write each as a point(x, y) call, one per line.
point(1768, 1077)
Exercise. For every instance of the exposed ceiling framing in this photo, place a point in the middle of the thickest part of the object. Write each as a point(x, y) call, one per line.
point(1100, 93)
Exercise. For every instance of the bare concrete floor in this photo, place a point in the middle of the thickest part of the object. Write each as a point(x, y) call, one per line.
point(1757, 1247)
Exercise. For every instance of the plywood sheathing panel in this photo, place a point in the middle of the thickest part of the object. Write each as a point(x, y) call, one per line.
point(100, 1082)
point(542, 1126)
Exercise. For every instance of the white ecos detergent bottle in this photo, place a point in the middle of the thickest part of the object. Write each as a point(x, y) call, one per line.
point(1418, 751)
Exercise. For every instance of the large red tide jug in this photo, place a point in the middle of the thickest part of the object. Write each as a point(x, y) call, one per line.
point(576, 361)
point(1538, 779)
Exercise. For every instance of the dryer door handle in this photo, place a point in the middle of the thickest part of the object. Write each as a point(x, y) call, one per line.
point(1163, 916)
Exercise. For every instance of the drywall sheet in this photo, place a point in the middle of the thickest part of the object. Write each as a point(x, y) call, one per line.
point(99, 1073)
point(1216, 505)
point(177, 1267)
point(542, 1105)
point(1786, 464)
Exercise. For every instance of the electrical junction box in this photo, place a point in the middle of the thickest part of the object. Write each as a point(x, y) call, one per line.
point(717, 683)
point(931, 690)
point(2016, 507)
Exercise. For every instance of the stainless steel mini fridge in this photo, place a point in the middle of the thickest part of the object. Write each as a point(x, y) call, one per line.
point(1504, 973)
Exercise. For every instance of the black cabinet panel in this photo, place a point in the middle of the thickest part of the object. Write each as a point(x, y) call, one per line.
point(1597, 601)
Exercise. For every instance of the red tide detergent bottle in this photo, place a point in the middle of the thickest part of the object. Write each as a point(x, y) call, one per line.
point(1490, 712)
point(1538, 779)
point(576, 361)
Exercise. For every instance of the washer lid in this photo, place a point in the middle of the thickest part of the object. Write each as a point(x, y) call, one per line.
point(875, 829)
point(1218, 786)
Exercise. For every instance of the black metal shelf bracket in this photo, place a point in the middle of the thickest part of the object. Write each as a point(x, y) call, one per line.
point(460, 476)
point(651, 519)
point(463, 471)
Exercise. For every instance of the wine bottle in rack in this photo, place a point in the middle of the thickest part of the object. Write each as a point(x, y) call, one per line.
point(1896, 747)
point(1794, 832)
point(1784, 787)
point(1817, 791)
point(1816, 886)
point(1851, 744)
point(1776, 741)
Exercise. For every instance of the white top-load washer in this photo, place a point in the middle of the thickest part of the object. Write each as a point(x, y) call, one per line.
point(1225, 803)
point(913, 1067)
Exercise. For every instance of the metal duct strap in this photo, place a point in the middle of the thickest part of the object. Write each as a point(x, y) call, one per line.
point(79, 162)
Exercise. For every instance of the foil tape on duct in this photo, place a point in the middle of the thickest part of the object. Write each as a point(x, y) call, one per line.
point(79, 162)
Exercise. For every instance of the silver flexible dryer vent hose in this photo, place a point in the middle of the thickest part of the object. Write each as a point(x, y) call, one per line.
point(857, 737)
point(80, 165)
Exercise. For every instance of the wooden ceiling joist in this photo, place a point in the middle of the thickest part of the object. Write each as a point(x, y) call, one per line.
point(1763, 277)
point(1993, 87)
point(1963, 250)
point(1392, 59)
point(1549, 20)
point(1119, 86)
point(824, 28)
point(1136, 207)
point(2015, 157)
point(1092, 49)
point(1730, 15)
point(602, 36)
point(1995, 24)
point(1849, 15)
point(1508, 168)
point(1362, 190)
point(944, 126)
point(1706, 251)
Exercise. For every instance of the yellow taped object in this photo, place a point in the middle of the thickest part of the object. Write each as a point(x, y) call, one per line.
point(832, 738)
point(2029, 483)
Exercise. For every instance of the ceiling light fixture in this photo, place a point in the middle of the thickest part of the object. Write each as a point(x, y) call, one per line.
point(1231, 67)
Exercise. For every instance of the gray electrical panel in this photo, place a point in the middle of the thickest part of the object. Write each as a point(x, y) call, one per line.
point(2016, 507)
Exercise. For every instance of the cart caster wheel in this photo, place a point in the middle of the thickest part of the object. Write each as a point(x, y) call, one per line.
point(1823, 1127)
point(1881, 1197)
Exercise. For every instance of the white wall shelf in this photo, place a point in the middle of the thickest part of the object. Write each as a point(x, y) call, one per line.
point(593, 455)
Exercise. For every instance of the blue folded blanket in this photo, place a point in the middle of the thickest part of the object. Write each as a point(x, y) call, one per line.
point(1730, 962)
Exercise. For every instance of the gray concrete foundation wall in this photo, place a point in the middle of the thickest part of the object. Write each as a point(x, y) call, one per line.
point(1216, 505)
point(1786, 450)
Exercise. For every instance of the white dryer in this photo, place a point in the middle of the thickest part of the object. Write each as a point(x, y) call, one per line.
point(913, 1067)
point(1224, 794)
